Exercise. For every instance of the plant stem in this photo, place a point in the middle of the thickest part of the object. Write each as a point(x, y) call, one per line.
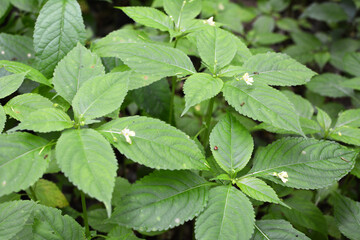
point(208, 122)
point(171, 110)
point(85, 216)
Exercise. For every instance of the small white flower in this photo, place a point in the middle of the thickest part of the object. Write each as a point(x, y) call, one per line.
point(127, 134)
point(247, 79)
point(282, 175)
point(29, 55)
point(221, 6)
point(210, 21)
point(2, 52)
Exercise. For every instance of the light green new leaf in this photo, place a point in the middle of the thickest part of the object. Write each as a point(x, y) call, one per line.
point(329, 85)
point(229, 215)
point(87, 159)
point(258, 189)
point(301, 105)
point(323, 119)
point(234, 144)
point(10, 83)
point(31, 73)
point(352, 63)
point(276, 69)
point(199, 87)
point(149, 17)
point(276, 229)
point(349, 118)
point(155, 144)
point(48, 194)
point(346, 134)
point(154, 59)
point(305, 213)
point(216, 47)
point(22, 52)
point(101, 95)
point(347, 216)
point(181, 11)
point(105, 46)
point(162, 200)
point(13, 217)
point(262, 103)
point(46, 120)
point(242, 52)
point(59, 27)
point(77, 67)
point(50, 224)
point(352, 83)
point(309, 163)
point(21, 106)
point(2, 118)
point(22, 161)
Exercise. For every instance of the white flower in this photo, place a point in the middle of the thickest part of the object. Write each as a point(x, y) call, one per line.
point(247, 79)
point(127, 134)
point(210, 21)
point(282, 175)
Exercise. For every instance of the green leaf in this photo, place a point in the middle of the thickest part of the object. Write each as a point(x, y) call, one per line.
point(20, 107)
point(321, 58)
point(258, 189)
point(329, 12)
point(105, 46)
point(10, 83)
point(304, 213)
point(87, 159)
point(2, 118)
point(349, 118)
point(22, 52)
point(352, 83)
point(346, 134)
point(306, 40)
point(98, 220)
point(122, 233)
point(4, 8)
point(48, 194)
point(264, 24)
point(276, 69)
point(268, 38)
point(28, 6)
point(162, 200)
point(181, 11)
point(154, 99)
point(347, 216)
point(77, 67)
point(14, 216)
point(309, 163)
point(139, 80)
point(155, 144)
point(352, 63)
point(122, 187)
point(340, 48)
point(228, 215)
point(262, 103)
point(149, 17)
point(46, 120)
point(21, 161)
point(242, 52)
point(216, 47)
point(233, 142)
point(276, 229)
point(154, 59)
point(323, 119)
point(301, 105)
point(30, 73)
point(329, 85)
point(50, 224)
point(199, 87)
point(58, 28)
point(101, 95)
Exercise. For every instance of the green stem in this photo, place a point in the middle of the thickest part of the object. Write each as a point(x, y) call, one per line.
point(171, 110)
point(85, 216)
point(208, 122)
